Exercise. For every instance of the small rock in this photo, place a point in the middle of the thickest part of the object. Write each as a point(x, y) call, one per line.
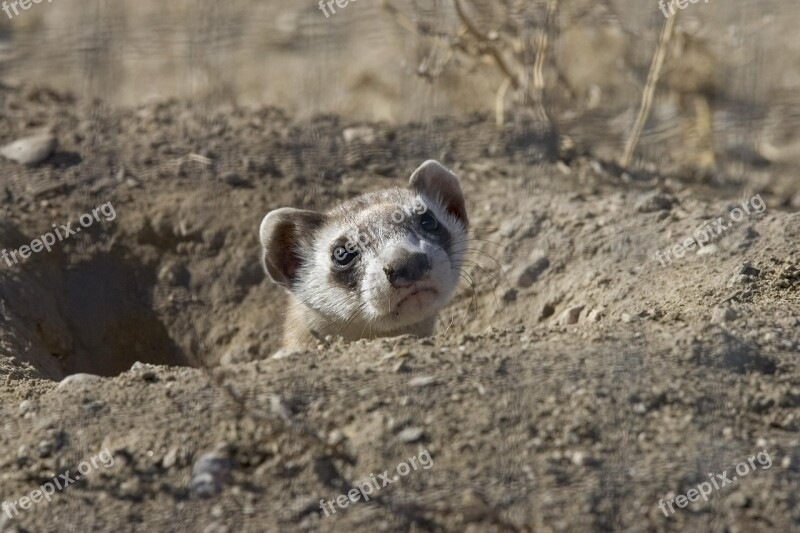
point(508, 228)
point(235, 180)
point(749, 270)
point(285, 353)
point(216, 527)
point(45, 448)
point(626, 318)
point(530, 273)
point(655, 201)
point(722, 314)
point(422, 381)
point(30, 150)
point(279, 407)
point(570, 315)
point(364, 134)
point(709, 249)
point(595, 315)
point(78, 379)
point(410, 435)
point(209, 474)
point(737, 499)
point(304, 505)
point(510, 295)
point(547, 311)
point(473, 506)
point(170, 459)
point(25, 406)
point(582, 459)
point(401, 367)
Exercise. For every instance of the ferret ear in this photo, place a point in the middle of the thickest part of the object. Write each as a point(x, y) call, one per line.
point(286, 235)
point(434, 181)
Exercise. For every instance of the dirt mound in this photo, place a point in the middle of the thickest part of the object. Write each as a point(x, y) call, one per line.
point(575, 382)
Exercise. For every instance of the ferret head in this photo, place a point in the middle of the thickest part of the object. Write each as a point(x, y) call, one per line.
point(378, 263)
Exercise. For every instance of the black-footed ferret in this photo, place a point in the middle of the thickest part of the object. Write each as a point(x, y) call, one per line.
point(379, 265)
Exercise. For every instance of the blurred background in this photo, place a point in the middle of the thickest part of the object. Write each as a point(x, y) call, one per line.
point(726, 99)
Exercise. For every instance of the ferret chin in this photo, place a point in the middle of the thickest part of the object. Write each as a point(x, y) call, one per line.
point(379, 265)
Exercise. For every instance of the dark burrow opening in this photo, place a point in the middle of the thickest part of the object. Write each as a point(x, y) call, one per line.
point(94, 315)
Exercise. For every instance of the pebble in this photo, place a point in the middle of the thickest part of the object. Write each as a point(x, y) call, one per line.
point(422, 381)
point(473, 506)
point(709, 249)
point(737, 499)
point(510, 295)
point(655, 201)
point(235, 180)
point(595, 315)
point(722, 314)
point(582, 459)
point(364, 134)
point(209, 474)
point(30, 150)
point(626, 318)
point(402, 366)
point(749, 270)
point(570, 315)
point(216, 527)
point(531, 272)
point(285, 353)
point(78, 379)
point(170, 459)
point(410, 435)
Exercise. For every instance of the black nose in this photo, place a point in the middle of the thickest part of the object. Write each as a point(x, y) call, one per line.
point(407, 269)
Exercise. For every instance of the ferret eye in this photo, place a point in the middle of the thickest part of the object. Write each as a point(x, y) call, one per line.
point(342, 258)
point(428, 222)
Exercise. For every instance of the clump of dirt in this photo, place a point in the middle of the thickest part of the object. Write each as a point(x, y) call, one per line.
point(572, 385)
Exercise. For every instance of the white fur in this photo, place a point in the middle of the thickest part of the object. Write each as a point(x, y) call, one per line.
point(373, 305)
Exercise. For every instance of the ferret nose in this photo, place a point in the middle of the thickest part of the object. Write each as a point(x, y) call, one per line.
point(407, 269)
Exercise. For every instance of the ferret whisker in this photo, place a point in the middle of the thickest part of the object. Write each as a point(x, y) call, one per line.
point(496, 281)
point(356, 313)
point(467, 239)
point(500, 266)
point(481, 252)
point(474, 300)
point(494, 286)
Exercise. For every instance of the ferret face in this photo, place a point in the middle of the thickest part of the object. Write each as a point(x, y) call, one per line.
point(377, 263)
point(388, 260)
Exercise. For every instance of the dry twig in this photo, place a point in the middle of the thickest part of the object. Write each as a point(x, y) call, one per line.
point(649, 89)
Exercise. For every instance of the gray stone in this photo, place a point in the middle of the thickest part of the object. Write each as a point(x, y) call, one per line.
point(531, 272)
point(30, 150)
point(410, 435)
point(209, 474)
point(78, 380)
